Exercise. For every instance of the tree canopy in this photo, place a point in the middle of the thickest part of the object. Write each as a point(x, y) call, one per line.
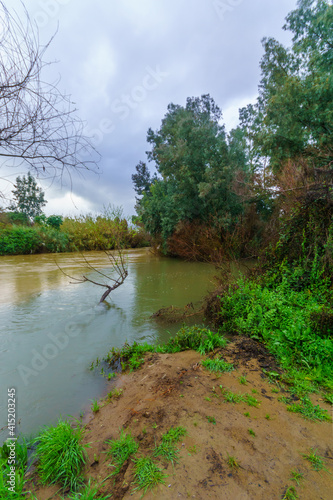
point(195, 167)
point(28, 197)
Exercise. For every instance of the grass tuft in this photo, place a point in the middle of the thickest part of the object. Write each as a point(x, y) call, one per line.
point(217, 365)
point(61, 455)
point(147, 474)
point(121, 449)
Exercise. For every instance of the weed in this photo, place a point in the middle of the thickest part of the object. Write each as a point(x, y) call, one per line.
point(315, 460)
point(246, 414)
point(275, 390)
point(115, 393)
point(121, 449)
point(232, 397)
point(254, 391)
point(95, 406)
point(174, 434)
point(252, 433)
point(193, 450)
point(328, 398)
point(89, 492)
point(207, 398)
point(211, 420)
point(154, 426)
point(268, 417)
point(217, 365)
point(168, 451)
point(147, 474)
point(310, 411)
point(232, 462)
point(296, 476)
point(242, 380)
point(290, 494)
point(112, 375)
point(61, 455)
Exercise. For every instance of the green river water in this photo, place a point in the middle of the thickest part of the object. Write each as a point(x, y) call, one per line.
point(52, 330)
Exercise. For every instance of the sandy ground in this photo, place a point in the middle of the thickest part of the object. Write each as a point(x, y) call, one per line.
point(175, 390)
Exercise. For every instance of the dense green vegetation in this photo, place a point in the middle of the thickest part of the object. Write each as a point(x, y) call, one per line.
point(217, 195)
point(18, 235)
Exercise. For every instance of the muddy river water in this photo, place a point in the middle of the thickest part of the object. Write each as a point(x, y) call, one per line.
point(52, 330)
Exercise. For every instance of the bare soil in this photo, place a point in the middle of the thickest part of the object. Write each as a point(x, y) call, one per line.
point(175, 390)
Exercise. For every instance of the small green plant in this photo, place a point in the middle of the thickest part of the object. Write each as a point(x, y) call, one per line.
point(211, 420)
point(95, 406)
point(217, 365)
point(168, 451)
point(328, 398)
point(115, 393)
point(89, 492)
point(154, 426)
point(193, 450)
point(121, 449)
point(275, 390)
point(112, 375)
point(290, 494)
point(147, 474)
point(252, 433)
point(207, 398)
point(246, 414)
point(232, 462)
point(242, 380)
point(315, 460)
point(268, 417)
point(297, 476)
point(232, 397)
point(254, 391)
point(174, 434)
point(309, 411)
point(61, 455)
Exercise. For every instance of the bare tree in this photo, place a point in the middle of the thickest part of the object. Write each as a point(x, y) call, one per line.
point(38, 124)
point(119, 265)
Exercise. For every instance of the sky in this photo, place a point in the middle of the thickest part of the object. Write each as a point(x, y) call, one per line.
point(124, 61)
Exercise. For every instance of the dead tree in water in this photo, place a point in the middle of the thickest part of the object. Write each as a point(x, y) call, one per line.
point(118, 264)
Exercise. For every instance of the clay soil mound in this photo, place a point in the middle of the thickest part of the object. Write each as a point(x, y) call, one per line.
point(267, 441)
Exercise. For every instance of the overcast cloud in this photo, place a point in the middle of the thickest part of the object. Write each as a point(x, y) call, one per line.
point(124, 61)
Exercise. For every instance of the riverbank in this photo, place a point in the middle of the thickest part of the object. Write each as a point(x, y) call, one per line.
point(255, 448)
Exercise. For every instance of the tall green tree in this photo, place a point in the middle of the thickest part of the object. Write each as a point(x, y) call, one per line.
point(191, 154)
point(28, 197)
point(295, 105)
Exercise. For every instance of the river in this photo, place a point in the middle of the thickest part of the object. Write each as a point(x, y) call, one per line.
point(52, 330)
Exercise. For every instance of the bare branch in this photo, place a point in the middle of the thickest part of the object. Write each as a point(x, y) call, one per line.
point(118, 264)
point(38, 124)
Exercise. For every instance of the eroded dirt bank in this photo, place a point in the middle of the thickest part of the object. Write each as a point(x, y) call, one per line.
point(267, 441)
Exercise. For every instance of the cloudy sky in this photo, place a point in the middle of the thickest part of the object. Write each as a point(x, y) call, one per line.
point(124, 61)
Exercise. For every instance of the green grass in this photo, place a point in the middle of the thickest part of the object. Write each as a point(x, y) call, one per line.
point(211, 420)
point(251, 432)
point(310, 411)
point(233, 397)
point(147, 474)
point(317, 462)
point(217, 365)
point(290, 494)
point(199, 339)
point(168, 451)
point(297, 476)
point(61, 455)
point(242, 380)
point(233, 462)
point(121, 449)
point(174, 435)
point(95, 406)
point(89, 492)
